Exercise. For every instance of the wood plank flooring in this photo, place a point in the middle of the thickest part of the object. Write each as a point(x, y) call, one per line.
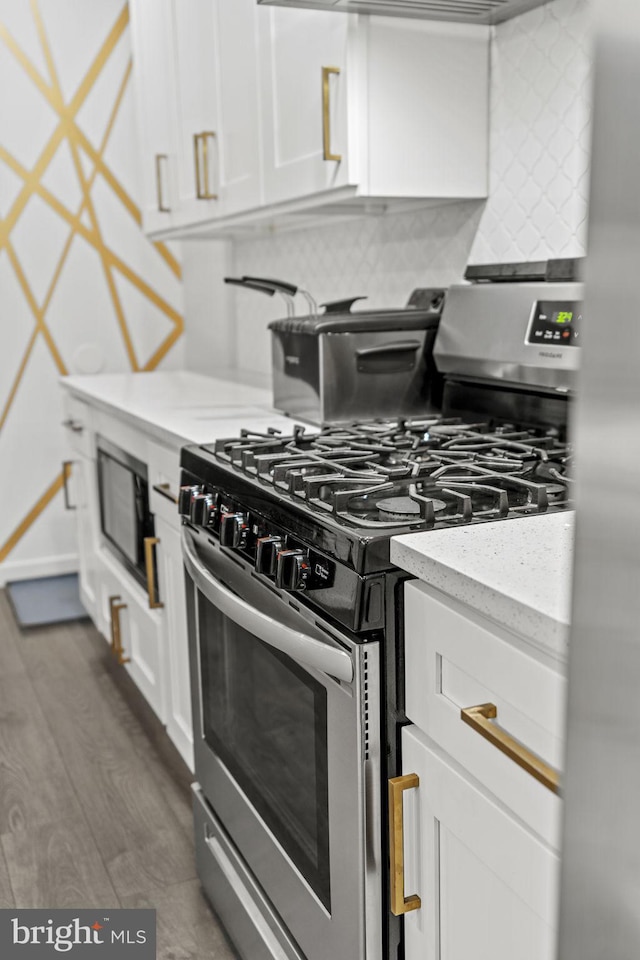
point(94, 802)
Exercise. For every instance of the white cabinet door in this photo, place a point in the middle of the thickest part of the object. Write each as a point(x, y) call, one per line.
point(295, 46)
point(489, 887)
point(428, 109)
point(124, 613)
point(82, 496)
point(151, 36)
point(217, 99)
point(178, 687)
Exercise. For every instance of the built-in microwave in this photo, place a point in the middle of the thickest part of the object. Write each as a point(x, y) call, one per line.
point(126, 522)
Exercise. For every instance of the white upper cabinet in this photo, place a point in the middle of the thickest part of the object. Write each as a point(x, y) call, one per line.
point(217, 105)
point(304, 83)
point(428, 108)
point(279, 112)
point(395, 109)
point(153, 81)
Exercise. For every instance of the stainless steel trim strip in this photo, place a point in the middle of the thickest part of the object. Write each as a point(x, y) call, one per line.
point(301, 647)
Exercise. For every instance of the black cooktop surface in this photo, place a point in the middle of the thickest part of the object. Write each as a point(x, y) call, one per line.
point(369, 481)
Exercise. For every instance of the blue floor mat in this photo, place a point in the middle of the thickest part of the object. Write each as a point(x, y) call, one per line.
point(46, 600)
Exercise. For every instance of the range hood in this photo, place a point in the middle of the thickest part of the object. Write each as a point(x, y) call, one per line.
point(458, 11)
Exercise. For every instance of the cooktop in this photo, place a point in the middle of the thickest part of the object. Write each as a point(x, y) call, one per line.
point(352, 488)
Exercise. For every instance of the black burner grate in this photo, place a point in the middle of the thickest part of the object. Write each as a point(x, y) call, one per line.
point(408, 473)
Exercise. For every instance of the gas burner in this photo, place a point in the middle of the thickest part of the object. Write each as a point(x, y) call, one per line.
point(404, 508)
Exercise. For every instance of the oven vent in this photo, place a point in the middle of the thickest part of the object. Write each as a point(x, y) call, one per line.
point(456, 11)
point(365, 701)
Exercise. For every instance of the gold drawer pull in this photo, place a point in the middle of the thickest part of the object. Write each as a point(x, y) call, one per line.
point(116, 633)
point(149, 562)
point(162, 207)
point(164, 489)
point(479, 719)
point(112, 600)
point(326, 114)
point(201, 147)
point(73, 425)
point(67, 467)
point(399, 903)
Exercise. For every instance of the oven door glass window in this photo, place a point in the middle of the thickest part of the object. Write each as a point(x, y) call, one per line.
point(266, 718)
point(120, 506)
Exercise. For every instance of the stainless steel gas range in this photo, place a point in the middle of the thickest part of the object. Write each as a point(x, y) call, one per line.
point(295, 614)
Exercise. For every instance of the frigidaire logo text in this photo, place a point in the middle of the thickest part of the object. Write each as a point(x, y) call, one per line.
point(66, 936)
point(292, 360)
point(129, 934)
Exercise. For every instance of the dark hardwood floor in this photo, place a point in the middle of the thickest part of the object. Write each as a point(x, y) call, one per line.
point(94, 800)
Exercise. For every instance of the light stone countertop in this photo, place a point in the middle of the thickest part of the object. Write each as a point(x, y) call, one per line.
point(179, 407)
point(516, 572)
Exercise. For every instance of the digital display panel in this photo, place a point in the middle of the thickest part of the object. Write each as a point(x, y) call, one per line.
point(555, 323)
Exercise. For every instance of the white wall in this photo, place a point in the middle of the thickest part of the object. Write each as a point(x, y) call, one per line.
point(540, 96)
point(75, 268)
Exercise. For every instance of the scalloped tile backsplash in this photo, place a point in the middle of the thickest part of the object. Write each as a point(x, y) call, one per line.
point(537, 206)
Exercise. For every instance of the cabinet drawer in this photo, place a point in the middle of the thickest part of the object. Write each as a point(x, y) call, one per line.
point(78, 421)
point(456, 659)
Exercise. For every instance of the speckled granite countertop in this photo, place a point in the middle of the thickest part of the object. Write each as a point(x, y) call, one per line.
point(178, 407)
point(516, 572)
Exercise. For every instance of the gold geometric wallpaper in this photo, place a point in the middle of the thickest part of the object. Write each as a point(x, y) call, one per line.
point(133, 276)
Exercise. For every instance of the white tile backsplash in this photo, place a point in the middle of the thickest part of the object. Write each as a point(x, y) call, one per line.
point(536, 209)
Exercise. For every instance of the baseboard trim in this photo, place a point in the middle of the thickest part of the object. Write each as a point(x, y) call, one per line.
point(41, 567)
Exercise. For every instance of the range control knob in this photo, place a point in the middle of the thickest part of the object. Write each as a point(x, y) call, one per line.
point(267, 549)
point(292, 569)
point(203, 508)
point(196, 507)
point(233, 530)
point(184, 499)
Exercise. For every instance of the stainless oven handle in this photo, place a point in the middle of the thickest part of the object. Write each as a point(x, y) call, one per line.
point(304, 649)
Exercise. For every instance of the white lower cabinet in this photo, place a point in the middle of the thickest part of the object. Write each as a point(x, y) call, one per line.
point(134, 631)
point(177, 683)
point(488, 886)
point(458, 661)
point(81, 496)
point(149, 641)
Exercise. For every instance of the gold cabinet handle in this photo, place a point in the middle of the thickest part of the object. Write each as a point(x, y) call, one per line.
point(399, 903)
point(116, 633)
point(479, 719)
point(164, 489)
point(162, 207)
point(326, 113)
point(149, 562)
point(201, 147)
point(112, 600)
point(67, 466)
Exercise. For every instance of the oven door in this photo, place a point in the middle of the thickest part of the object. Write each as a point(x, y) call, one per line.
point(286, 731)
